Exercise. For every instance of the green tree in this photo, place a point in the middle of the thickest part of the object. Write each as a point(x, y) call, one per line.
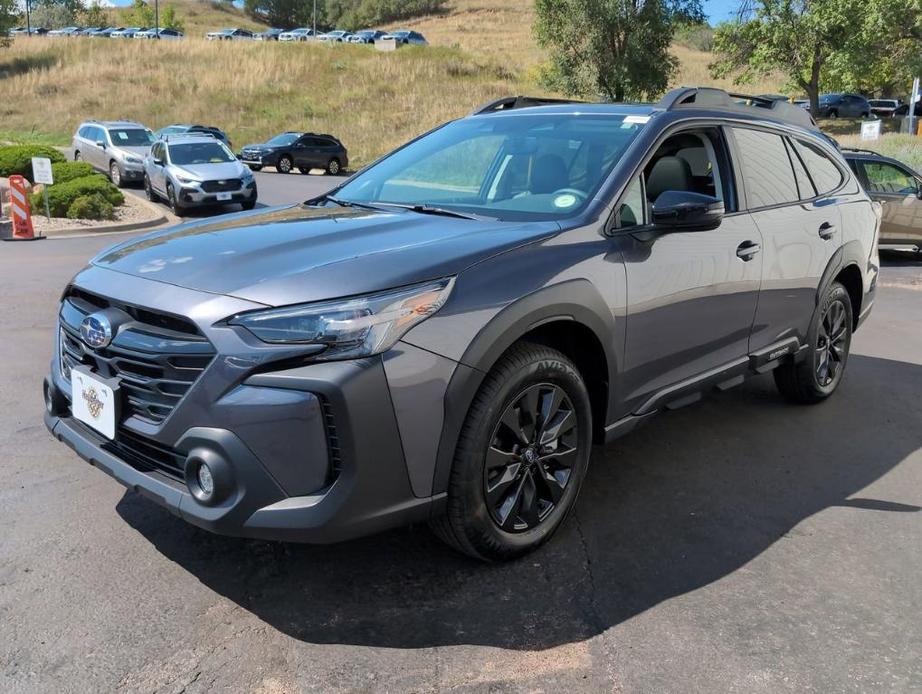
point(618, 49)
point(169, 20)
point(141, 14)
point(95, 16)
point(9, 15)
point(871, 45)
point(52, 16)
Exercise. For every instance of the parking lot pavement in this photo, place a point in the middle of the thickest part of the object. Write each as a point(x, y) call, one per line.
point(741, 544)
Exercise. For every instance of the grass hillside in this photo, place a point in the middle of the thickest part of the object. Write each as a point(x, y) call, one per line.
point(198, 16)
point(480, 49)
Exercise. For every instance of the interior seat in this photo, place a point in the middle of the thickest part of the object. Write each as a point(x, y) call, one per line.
point(668, 173)
point(549, 174)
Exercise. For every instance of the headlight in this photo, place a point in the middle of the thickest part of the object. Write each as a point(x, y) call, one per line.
point(132, 160)
point(350, 328)
point(186, 179)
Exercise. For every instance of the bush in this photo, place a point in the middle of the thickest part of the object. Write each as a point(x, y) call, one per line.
point(93, 206)
point(62, 195)
point(17, 159)
point(65, 171)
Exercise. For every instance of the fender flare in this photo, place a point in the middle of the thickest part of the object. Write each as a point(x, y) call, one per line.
point(850, 253)
point(574, 300)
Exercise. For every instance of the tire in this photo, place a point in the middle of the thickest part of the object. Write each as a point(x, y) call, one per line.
point(76, 155)
point(504, 525)
point(865, 115)
point(305, 170)
point(829, 338)
point(334, 167)
point(175, 207)
point(833, 114)
point(115, 175)
point(255, 167)
point(149, 190)
point(248, 205)
point(285, 164)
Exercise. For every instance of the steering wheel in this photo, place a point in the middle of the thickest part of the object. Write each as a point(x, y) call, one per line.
point(578, 194)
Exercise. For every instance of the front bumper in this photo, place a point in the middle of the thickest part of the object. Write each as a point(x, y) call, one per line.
point(132, 172)
point(193, 196)
point(317, 452)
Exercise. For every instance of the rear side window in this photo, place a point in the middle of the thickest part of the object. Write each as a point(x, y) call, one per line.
point(766, 168)
point(825, 174)
point(886, 178)
point(804, 185)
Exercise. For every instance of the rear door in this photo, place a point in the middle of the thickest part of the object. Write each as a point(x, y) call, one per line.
point(790, 192)
point(897, 190)
point(95, 154)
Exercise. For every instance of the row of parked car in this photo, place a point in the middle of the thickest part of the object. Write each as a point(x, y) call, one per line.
point(193, 165)
point(847, 105)
point(102, 32)
point(401, 37)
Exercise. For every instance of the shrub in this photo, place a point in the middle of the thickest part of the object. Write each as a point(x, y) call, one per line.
point(17, 159)
point(65, 171)
point(93, 206)
point(61, 196)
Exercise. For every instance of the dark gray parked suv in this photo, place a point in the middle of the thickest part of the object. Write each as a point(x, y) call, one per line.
point(446, 334)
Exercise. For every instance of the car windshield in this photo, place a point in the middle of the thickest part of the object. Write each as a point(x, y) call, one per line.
point(192, 153)
point(516, 166)
point(130, 137)
point(282, 140)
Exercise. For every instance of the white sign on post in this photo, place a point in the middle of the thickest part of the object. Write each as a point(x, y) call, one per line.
point(870, 130)
point(41, 170)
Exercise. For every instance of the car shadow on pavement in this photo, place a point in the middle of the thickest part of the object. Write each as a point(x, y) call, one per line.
point(676, 505)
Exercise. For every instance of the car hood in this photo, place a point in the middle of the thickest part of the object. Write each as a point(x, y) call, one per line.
point(213, 172)
point(297, 254)
point(260, 147)
point(136, 151)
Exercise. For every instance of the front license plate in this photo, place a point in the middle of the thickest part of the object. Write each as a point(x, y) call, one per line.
point(94, 400)
point(224, 196)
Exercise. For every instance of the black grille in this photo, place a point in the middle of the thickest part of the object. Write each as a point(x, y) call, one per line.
point(146, 455)
point(221, 186)
point(156, 357)
point(329, 422)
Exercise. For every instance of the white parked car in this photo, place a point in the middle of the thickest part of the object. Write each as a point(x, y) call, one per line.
point(336, 36)
point(165, 34)
point(299, 34)
point(230, 35)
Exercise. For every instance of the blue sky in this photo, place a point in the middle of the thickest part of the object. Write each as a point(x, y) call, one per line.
point(716, 10)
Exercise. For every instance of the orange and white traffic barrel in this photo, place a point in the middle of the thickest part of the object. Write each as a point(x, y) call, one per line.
point(20, 211)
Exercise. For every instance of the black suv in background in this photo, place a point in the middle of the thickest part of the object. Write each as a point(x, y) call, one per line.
point(843, 106)
point(445, 334)
point(304, 151)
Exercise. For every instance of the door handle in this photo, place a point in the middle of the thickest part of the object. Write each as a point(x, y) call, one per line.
point(827, 230)
point(747, 250)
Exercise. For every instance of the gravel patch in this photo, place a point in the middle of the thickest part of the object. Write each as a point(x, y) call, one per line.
point(133, 211)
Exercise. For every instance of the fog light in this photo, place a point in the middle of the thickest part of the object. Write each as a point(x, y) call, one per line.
point(205, 480)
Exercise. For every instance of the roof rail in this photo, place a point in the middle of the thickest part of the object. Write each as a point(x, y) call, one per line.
point(860, 151)
point(711, 97)
point(507, 103)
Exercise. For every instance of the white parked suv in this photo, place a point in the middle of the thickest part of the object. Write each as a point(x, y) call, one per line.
point(116, 148)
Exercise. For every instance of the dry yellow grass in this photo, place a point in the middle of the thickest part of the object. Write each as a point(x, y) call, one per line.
point(480, 49)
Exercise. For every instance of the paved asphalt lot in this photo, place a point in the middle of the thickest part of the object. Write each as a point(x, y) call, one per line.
point(741, 544)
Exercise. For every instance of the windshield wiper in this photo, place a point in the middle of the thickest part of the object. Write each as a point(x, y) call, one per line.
point(344, 203)
point(441, 211)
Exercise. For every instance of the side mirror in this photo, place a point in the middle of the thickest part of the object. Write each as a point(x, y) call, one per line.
point(680, 210)
point(158, 161)
point(101, 143)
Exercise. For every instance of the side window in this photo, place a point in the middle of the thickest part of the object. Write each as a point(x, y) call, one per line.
point(632, 211)
point(804, 184)
point(825, 174)
point(693, 161)
point(887, 178)
point(766, 168)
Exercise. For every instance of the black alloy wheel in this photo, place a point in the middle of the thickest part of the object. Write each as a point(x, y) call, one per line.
point(832, 344)
point(530, 457)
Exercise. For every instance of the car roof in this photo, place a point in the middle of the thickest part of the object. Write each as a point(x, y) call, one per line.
point(114, 124)
point(870, 155)
point(187, 138)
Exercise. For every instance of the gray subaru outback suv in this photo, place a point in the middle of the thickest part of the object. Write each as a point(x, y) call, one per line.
point(445, 335)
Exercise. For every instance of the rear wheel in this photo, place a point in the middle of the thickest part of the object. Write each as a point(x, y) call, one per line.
point(149, 190)
point(333, 166)
point(285, 164)
point(833, 114)
point(521, 456)
point(815, 378)
point(248, 205)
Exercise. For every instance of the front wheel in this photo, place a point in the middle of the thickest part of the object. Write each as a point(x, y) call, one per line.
point(115, 174)
point(285, 164)
point(175, 207)
point(830, 336)
point(833, 114)
point(77, 155)
point(255, 167)
point(521, 456)
point(149, 189)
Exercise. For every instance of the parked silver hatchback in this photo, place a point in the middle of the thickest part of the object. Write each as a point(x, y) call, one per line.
point(196, 171)
point(116, 148)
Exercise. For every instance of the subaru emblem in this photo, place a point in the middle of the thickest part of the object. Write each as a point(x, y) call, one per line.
point(96, 330)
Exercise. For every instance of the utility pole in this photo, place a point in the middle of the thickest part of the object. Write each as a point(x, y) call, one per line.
point(28, 18)
point(157, 19)
point(314, 35)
